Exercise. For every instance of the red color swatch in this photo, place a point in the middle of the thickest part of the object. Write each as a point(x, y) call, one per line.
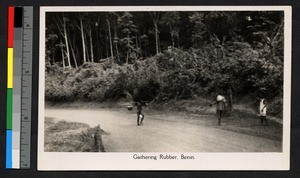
point(11, 13)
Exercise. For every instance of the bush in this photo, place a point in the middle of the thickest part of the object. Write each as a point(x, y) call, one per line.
point(175, 74)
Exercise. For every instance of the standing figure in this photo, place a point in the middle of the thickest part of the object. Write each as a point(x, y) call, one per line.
point(220, 102)
point(263, 111)
point(140, 115)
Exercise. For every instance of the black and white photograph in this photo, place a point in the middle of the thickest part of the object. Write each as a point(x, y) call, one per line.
point(164, 88)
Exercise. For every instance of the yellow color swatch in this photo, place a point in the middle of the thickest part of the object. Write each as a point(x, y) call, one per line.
point(10, 65)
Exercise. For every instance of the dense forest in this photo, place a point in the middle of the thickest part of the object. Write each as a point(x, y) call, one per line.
point(160, 56)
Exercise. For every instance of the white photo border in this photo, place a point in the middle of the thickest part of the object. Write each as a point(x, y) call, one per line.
point(203, 161)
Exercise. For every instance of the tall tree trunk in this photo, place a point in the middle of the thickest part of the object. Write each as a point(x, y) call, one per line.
point(62, 54)
point(110, 40)
point(91, 43)
point(156, 37)
point(140, 43)
point(98, 45)
point(66, 41)
point(77, 53)
point(116, 43)
point(155, 19)
point(61, 25)
point(53, 53)
point(177, 39)
point(173, 40)
point(278, 32)
point(82, 38)
point(128, 50)
point(87, 53)
point(74, 56)
point(117, 51)
point(172, 36)
point(272, 46)
point(106, 47)
point(137, 47)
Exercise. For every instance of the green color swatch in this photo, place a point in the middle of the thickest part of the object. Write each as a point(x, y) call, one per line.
point(9, 109)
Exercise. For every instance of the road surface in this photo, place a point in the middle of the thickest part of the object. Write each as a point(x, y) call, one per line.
point(163, 132)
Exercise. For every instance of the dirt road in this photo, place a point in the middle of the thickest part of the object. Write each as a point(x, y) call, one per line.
point(163, 132)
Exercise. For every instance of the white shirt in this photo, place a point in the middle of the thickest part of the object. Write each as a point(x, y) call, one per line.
point(262, 108)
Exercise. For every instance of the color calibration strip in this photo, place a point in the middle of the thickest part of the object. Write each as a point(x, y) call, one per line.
point(19, 61)
point(9, 154)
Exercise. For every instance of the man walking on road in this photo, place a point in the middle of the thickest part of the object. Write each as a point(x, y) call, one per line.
point(220, 105)
point(140, 115)
point(263, 107)
point(263, 111)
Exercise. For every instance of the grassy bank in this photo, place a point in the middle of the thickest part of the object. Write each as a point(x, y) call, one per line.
point(65, 136)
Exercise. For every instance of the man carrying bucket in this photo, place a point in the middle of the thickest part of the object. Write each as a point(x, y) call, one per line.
point(220, 105)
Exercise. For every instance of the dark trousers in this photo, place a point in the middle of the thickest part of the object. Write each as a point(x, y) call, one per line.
point(138, 117)
point(262, 119)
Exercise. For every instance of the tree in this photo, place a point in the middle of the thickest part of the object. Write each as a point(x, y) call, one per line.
point(62, 26)
point(74, 55)
point(171, 19)
point(200, 33)
point(81, 28)
point(156, 16)
point(143, 37)
point(222, 24)
point(128, 29)
point(50, 42)
point(110, 36)
point(264, 30)
point(116, 43)
point(89, 32)
point(241, 50)
point(61, 45)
